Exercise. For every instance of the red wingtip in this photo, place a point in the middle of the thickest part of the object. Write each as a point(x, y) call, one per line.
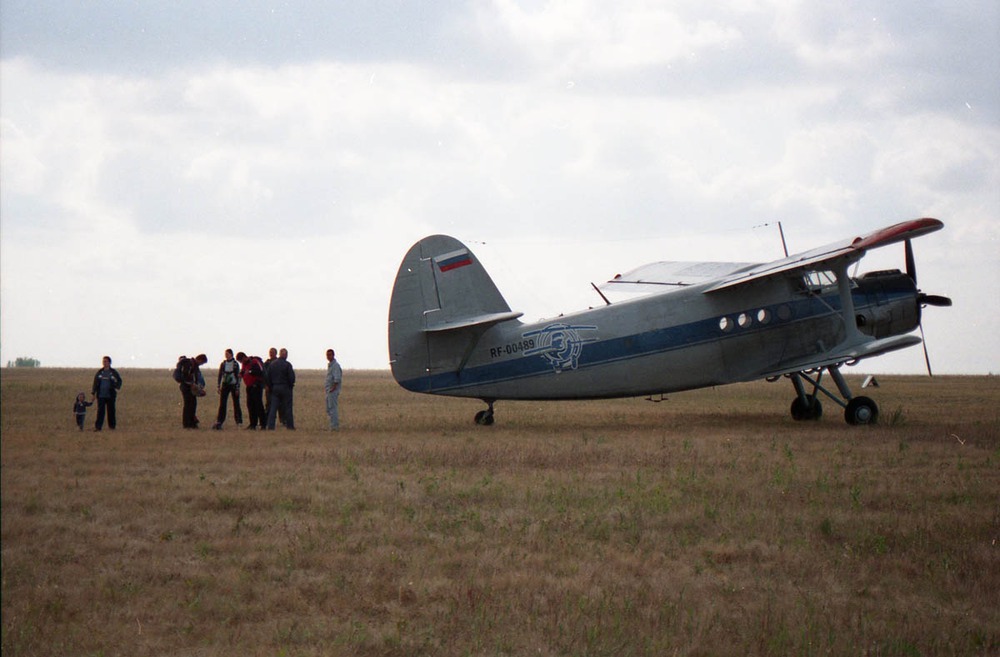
point(898, 232)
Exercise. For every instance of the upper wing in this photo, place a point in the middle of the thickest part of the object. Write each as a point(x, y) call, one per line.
point(851, 249)
point(665, 276)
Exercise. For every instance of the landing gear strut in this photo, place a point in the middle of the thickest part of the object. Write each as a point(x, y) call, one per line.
point(806, 406)
point(485, 418)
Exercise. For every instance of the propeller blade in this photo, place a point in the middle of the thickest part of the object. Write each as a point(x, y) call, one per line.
point(922, 299)
point(911, 265)
point(934, 300)
point(927, 358)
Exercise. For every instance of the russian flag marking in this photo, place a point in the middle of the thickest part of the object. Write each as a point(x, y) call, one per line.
point(453, 260)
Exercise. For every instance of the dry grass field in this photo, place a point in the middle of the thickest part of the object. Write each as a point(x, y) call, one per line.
point(711, 524)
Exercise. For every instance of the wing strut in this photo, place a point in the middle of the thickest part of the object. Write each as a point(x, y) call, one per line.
point(852, 334)
point(598, 290)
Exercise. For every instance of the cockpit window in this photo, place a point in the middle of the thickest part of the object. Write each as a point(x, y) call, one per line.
point(814, 281)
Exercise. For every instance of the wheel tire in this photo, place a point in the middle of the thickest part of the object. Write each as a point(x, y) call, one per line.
point(861, 410)
point(484, 418)
point(811, 409)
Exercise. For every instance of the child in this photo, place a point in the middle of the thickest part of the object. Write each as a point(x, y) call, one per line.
point(80, 409)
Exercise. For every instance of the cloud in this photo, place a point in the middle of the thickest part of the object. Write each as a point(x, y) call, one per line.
point(143, 39)
point(590, 39)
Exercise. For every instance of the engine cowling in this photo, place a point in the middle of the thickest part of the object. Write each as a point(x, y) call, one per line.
point(886, 303)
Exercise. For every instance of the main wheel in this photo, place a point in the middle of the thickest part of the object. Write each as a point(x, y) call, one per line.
point(861, 410)
point(811, 409)
point(484, 418)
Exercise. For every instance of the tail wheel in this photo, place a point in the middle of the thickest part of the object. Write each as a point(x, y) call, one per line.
point(807, 409)
point(484, 418)
point(861, 410)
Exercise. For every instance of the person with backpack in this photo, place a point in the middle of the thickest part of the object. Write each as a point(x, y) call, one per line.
point(229, 384)
point(252, 368)
point(187, 374)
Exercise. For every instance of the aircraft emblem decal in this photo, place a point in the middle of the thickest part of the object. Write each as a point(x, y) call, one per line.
point(559, 344)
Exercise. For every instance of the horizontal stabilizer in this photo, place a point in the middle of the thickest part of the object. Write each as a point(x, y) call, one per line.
point(485, 320)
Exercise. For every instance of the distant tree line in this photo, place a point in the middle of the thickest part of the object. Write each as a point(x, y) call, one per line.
point(24, 362)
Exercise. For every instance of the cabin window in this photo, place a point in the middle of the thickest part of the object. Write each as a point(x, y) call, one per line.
point(744, 320)
point(726, 324)
point(763, 316)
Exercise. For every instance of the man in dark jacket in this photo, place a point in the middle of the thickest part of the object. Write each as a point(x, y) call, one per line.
point(107, 383)
point(280, 380)
point(272, 355)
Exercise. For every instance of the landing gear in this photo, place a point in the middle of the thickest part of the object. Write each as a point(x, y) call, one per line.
point(485, 418)
point(861, 410)
point(806, 406)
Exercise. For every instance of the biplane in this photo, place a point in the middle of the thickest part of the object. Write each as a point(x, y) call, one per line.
point(688, 325)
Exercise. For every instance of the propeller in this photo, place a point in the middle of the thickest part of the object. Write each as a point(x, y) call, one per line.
point(911, 265)
point(933, 300)
point(923, 299)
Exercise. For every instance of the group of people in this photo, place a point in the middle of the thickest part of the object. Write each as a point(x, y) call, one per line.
point(269, 386)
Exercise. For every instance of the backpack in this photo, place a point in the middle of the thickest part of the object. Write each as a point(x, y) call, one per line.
point(229, 370)
point(179, 370)
point(256, 369)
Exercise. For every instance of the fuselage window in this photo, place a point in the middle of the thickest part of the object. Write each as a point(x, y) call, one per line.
point(763, 316)
point(726, 324)
point(744, 320)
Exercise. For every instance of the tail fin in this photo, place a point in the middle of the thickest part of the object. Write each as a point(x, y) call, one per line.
point(442, 302)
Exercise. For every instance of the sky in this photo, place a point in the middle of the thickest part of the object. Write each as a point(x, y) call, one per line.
point(179, 178)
